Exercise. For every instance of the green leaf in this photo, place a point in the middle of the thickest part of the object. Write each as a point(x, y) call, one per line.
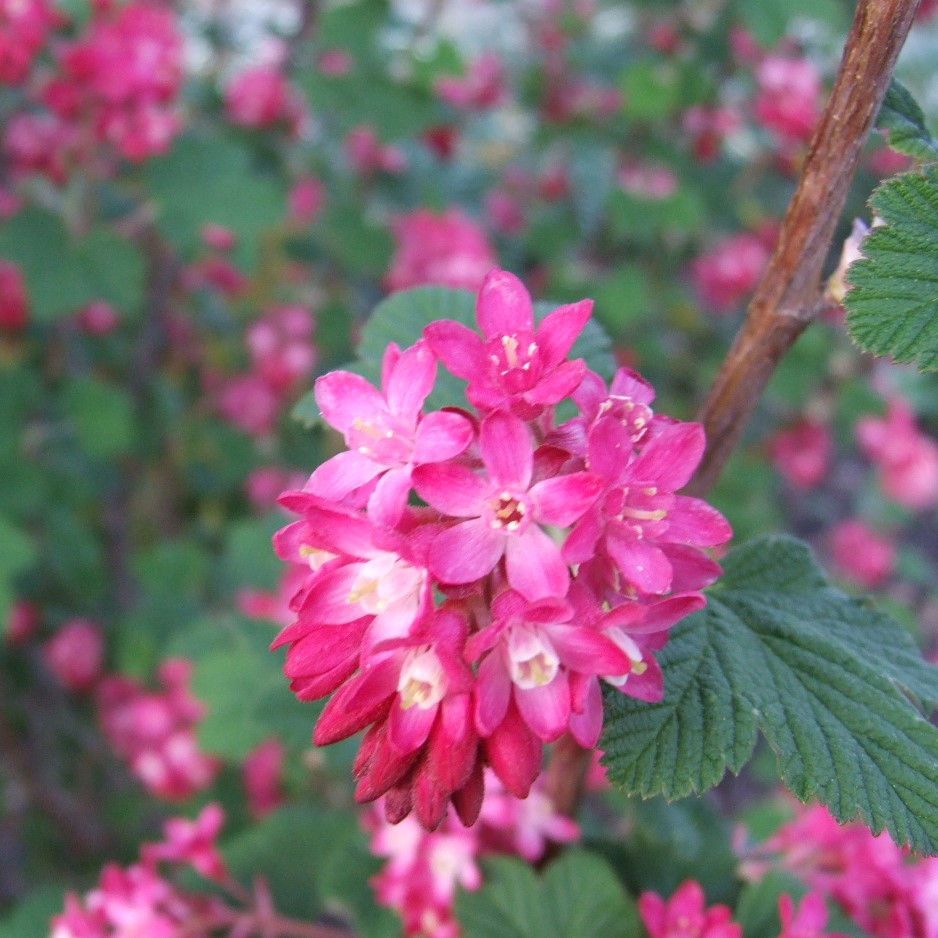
point(401, 318)
point(577, 895)
point(210, 179)
point(892, 308)
point(64, 273)
point(826, 678)
point(901, 116)
point(770, 20)
point(17, 552)
point(31, 916)
point(102, 415)
point(757, 909)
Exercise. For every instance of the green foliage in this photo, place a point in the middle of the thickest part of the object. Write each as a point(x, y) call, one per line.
point(31, 916)
point(17, 553)
point(102, 416)
point(64, 272)
point(770, 20)
point(826, 678)
point(901, 116)
point(210, 179)
point(893, 305)
point(401, 318)
point(578, 894)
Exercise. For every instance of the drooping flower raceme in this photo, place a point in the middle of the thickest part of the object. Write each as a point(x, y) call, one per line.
point(470, 576)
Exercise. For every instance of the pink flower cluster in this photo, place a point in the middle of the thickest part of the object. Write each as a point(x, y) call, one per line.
point(261, 97)
point(122, 79)
point(880, 886)
point(283, 355)
point(424, 868)
point(483, 85)
point(14, 304)
point(562, 554)
point(75, 654)
point(450, 250)
point(24, 25)
point(155, 730)
point(788, 102)
point(803, 453)
point(685, 915)
point(728, 271)
point(140, 900)
point(907, 459)
point(367, 155)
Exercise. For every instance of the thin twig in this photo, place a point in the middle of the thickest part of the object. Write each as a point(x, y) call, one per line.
point(789, 296)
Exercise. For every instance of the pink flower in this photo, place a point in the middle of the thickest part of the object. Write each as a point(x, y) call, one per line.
point(808, 920)
point(788, 101)
point(193, 843)
point(449, 249)
point(262, 772)
point(513, 365)
point(155, 731)
point(803, 453)
point(386, 431)
point(537, 655)
point(98, 318)
point(726, 273)
point(306, 200)
point(481, 87)
point(650, 181)
point(261, 97)
point(22, 622)
point(75, 654)
point(505, 512)
point(708, 127)
point(24, 25)
point(907, 459)
point(368, 155)
point(860, 554)
point(14, 304)
point(684, 915)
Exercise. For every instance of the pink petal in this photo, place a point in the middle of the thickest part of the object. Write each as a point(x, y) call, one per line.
point(648, 686)
point(451, 488)
point(324, 650)
point(562, 500)
point(504, 306)
point(343, 396)
point(561, 382)
point(693, 569)
point(389, 499)
point(514, 753)
point(442, 435)
point(560, 329)
point(411, 381)
point(409, 729)
point(534, 564)
point(641, 563)
point(328, 599)
point(493, 693)
point(466, 552)
point(580, 545)
point(507, 450)
point(342, 474)
point(693, 521)
point(546, 709)
point(458, 347)
point(583, 649)
point(671, 456)
point(610, 449)
point(587, 726)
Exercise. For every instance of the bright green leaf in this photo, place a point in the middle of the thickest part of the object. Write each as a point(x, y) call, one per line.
point(825, 677)
point(577, 895)
point(893, 306)
point(901, 116)
point(210, 179)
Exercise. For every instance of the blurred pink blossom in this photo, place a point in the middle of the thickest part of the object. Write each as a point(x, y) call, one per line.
point(860, 554)
point(75, 654)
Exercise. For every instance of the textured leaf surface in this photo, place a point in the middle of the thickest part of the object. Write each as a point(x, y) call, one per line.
point(901, 116)
point(892, 308)
point(826, 678)
point(402, 317)
point(578, 895)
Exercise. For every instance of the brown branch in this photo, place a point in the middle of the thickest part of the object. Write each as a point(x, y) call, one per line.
point(789, 296)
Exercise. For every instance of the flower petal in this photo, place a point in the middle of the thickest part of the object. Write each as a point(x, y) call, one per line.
point(641, 563)
point(507, 450)
point(564, 499)
point(493, 693)
point(560, 329)
point(514, 753)
point(534, 564)
point(342, 474)
point(451, 488)
point(410, 381)
point(442, 435)
point(343, 397)
point(584, 649)
point(693, 521)
point(459, 348)
point(670, 457)
point(546, 709)
point(466, 552)
point(504, 305)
